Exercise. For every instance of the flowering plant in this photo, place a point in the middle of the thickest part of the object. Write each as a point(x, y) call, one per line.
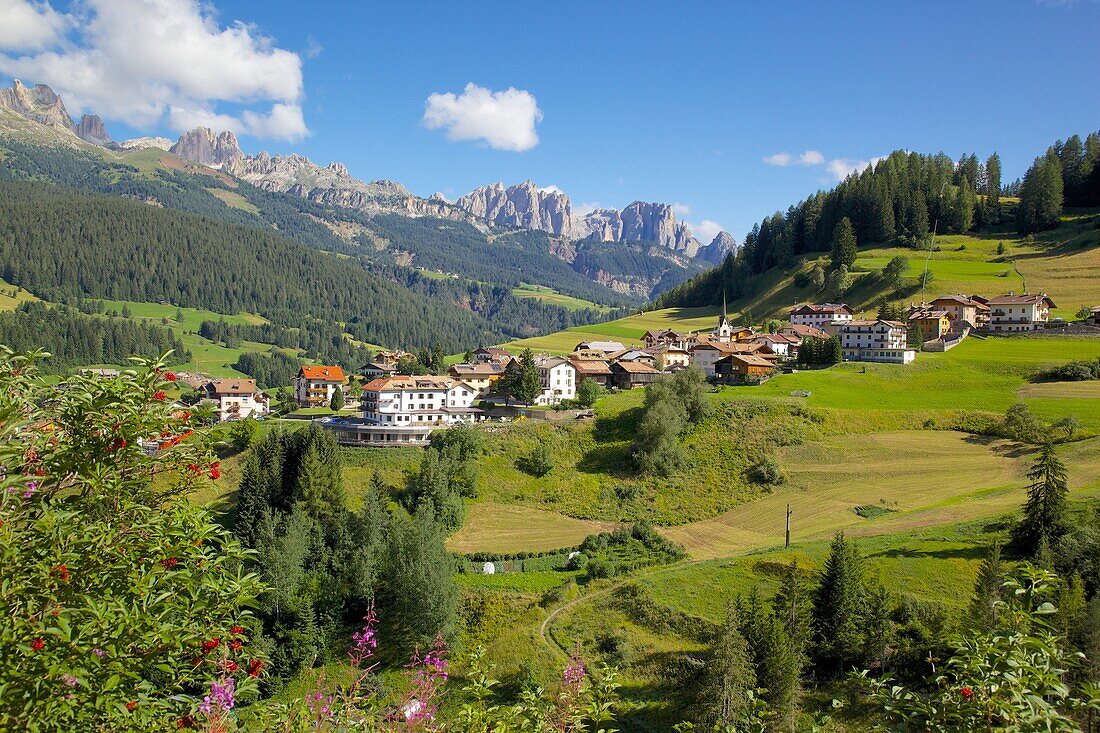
point(119, 596)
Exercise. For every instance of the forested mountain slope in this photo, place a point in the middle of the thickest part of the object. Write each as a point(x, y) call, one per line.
point(64, 246)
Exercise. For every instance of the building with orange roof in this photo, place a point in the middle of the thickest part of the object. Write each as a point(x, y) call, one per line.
point(315, 385)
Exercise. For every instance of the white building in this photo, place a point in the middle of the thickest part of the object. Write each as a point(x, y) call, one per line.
point(876, 340)
point(820, 315)
point(406, 410)
point(558, 378)
point(236, 399)
point(1013, 313)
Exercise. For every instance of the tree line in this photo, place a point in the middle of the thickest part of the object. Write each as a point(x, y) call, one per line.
point(901, 198)
point(74, 339)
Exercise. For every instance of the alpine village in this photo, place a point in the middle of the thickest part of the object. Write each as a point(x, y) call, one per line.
point(286, 449)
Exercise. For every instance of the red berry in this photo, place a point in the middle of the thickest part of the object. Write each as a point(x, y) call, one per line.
point(158, 395)
point(215, 473)
point(131, 705)
point(254, 668)
point(37, 644)
point(171, 377)
point(236, 630)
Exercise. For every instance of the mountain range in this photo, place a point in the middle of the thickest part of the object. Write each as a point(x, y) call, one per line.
point(637, 251)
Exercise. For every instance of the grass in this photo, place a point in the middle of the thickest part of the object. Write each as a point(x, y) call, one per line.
point(493, 527)
point(629, 330)
point(234, 200)
point(10, 301)
point(553, 297)
point(827, 478)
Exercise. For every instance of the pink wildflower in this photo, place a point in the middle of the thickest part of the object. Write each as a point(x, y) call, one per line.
point(220, 699)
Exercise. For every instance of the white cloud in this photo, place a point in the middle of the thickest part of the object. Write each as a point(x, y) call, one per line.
point(551, 189)
point(811, 157)
point(26, 25)
point(705, 231)
point(142, 61)
point(504, 120)
point(681, 209)
point(586, 208)
point(313, 48)
point(841, 168)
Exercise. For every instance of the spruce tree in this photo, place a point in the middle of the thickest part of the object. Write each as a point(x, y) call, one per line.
point(527, 385)
point(776, 661)
point(1041, 196)
point(337, 402)
point(838, 608)
point(420, 577)
point(1044, 512)
point(724, 697)
point(793, 607)
point(987, 590)
point(844, 245)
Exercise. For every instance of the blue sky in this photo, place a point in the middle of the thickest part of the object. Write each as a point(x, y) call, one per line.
point(676, 102)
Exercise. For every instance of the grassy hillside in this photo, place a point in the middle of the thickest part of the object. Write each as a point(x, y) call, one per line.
point(1063, 263)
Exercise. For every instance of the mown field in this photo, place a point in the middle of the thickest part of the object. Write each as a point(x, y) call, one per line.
point(553, 297)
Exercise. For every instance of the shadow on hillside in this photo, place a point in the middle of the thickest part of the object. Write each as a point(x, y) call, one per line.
point(957, 553)
point(612, 460)
point(1008, 449)
point(618, 428)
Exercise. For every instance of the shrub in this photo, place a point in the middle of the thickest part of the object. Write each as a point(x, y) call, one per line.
point(244, 433)
point(1074, 371)
point(602, 568)
point(123, 602)
point(768, 471)
point(540, 461)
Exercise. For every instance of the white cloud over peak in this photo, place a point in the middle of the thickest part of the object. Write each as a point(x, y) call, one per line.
point(551, 189)
point(144, 61)
point(705, 231)
point(586, 208)
point(503, 120)
point(681, 209)
point(840, 168)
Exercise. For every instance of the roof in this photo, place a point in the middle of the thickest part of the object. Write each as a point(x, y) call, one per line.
point(483, 369)
point(1025, 299)
point(805, 331)
point(961, 300)
point(634, 367)
point(873, 322)
point(549, 362)
point(591, 366)
point(493, 350)
point(775, 338)
point(233, 386)
point(807, 308)
point(927, 314)
point(604, 346)
point(749, 360)
point(319, 373)
point(406, 383)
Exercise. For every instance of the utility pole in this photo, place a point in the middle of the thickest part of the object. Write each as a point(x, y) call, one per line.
point(787, 544)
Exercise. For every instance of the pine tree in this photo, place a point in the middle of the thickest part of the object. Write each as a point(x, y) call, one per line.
point(527, 386)
point(728, 681)
point(1041, 196)
point(1044, 512)
point(844, 244)
point(992, 188)
point(962, 208)
point(337, 402)
point(838, 610)
point(987, 590)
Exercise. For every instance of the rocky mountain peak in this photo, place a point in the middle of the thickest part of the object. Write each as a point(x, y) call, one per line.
point(722, 245)
point(642, 221)
point(40, 104)
point(91, 129)
point(201, 145)
point(523, 205)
